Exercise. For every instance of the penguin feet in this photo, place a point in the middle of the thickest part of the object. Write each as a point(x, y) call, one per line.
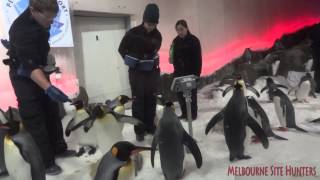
point(239, 157)
point(283, 129)
point(244, 157)
point(86, 149)
point(255, 139)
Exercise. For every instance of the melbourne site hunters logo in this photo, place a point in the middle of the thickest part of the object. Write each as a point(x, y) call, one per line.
point(60, 32)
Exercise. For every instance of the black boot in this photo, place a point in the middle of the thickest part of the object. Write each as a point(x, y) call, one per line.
point(53, 170)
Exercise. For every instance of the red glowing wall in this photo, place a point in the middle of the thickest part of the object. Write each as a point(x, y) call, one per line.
point(226, 27)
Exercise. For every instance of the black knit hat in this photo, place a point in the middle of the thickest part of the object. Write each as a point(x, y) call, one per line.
point(151, 14)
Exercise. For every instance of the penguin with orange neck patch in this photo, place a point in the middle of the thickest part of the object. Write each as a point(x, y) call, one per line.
point(117, 164)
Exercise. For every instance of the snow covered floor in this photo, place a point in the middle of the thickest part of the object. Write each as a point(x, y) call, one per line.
point(302, 149)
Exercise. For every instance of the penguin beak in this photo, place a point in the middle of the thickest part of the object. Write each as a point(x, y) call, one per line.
point(138, 149)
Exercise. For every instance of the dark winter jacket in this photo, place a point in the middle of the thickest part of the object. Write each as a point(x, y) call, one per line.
point(29, 42)
point(140, 44)
point(187, 58)
point(315, 37)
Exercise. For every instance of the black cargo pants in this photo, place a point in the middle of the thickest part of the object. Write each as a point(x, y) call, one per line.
point(40, 117)
point(144, 86)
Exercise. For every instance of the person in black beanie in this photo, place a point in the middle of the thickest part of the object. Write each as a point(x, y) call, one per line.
point(139, 49)
point(185, 55)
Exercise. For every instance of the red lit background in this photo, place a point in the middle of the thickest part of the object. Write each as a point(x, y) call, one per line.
point(227, 27)
point(217, 58)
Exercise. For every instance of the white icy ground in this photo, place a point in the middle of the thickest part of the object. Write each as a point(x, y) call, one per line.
point(302, 149)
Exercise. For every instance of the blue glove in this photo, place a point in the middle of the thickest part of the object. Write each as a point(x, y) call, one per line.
point(57, 95)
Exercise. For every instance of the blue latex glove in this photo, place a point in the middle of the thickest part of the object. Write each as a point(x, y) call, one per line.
point(56, 94)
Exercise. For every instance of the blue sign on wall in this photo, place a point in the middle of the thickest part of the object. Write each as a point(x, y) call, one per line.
point(60, 32)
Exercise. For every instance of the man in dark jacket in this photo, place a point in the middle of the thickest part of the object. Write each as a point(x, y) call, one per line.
point(187, 60)
point(139, 49)
point(37, 98)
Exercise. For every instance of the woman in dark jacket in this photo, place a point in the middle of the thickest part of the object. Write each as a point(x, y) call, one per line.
point(185, 54)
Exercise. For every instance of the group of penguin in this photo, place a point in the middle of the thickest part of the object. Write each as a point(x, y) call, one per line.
point(100, 126)
point(243, 110)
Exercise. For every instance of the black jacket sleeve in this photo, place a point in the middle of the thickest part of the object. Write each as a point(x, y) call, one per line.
point(124, 45)
point(156, 41)
point(25, 45)
point(197, 57)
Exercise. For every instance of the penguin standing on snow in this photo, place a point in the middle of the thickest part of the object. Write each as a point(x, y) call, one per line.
point(262, 118)
point(305, 88)
point(284, 110)
point(171, 138)
point(270, 85)
point(20, 153)
point(117, 164)
point(236, 117)
point(259, 114)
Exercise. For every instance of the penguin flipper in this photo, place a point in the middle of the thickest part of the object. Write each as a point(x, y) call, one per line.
point(31, 154)
point(265, 123)
point(154, 144)
point(214, 120)
point(252, 89)
point(315, 120)
point(299, 129)
point(88, 123)
point(263, 89)
point(278, 137)
point(281, 86)
point(227, 90)
point(193, 147)
point(3, 168)
point(258, 131)
point(69, 127)
point(73, 126)
point(128, 119)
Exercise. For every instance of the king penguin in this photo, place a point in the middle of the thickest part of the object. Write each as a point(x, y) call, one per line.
point(116, 164)
point(21, 154)
point(236, 117)
point(171, 138)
